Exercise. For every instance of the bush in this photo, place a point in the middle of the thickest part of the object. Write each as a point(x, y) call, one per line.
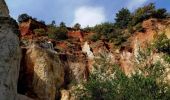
point(58, 33)
point(160, 13)
point(95, 37)
point(118, 86)
point(77, 26)
point(52, 36)
point(87, 29)
point(105, 29)
point(162, 43)
point(40, 32)
point(146, 12)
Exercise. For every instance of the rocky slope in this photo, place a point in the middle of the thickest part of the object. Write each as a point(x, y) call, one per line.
point(44, 69)
point(60, 70)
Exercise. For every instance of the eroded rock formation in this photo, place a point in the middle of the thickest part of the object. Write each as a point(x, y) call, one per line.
point(42, 73)
point(9, 58)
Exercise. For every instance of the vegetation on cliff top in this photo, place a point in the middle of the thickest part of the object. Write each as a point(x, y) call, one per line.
point(126, 23)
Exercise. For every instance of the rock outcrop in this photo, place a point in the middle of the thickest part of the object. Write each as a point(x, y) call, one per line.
point(4, 11)
point(41, 74)
point(9, 58)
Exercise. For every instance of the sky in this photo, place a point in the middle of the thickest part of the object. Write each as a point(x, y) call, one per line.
point(85, 12)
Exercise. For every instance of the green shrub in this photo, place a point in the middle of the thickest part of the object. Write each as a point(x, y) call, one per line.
point(162, 43)
point(118, 86)
point(95, 37)
point(146, 12)
point(40, 32)
point(88, 29)
point(77, 26)
point(106, 30)
point(51, 36)
point(160, 13)
point(58, 33)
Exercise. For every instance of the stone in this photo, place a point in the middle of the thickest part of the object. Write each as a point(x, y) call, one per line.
point(4, 11)
point(65, 95)
point(44, 73)
point(10, 56)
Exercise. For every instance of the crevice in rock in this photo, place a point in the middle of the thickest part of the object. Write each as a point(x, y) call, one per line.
point(25, 77)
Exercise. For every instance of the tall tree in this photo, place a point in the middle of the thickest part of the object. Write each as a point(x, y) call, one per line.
point(62, 24)
point(77, 26)
point(23, 17)
point(53, 23)
point(123, 17)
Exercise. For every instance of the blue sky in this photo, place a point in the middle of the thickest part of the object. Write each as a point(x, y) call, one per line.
point(86, 12)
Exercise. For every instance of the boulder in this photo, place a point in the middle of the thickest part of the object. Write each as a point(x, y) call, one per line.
point(42, 73)
point(9, 58)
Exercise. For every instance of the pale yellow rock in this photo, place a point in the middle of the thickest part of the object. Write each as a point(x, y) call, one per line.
point(48, 72)
point(65, 95)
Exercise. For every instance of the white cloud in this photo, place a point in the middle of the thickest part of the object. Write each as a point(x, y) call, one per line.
point(87, 15)
point(133, 4)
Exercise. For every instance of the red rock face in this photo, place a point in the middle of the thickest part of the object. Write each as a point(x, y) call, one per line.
point(26, 28)
point(150, 26)
point(62, 45)
point(75, 34)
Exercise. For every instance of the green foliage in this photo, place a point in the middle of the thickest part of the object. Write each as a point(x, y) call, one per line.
point(52, 36)
point(105, 30)
point(123, 18)
point(138, 27)
point(162, 43)
point(160, 13)
point(143, 13)
point(148, 11)
point(87, 29)
point(118, 86)
point(166, 58)
point(40, 32)
point(23, 17)
point(62, 24)
point(53, 23)
point(109, 33)
point(77, 26)
point(58, 33)
point(41, 21)
point(95, 37)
